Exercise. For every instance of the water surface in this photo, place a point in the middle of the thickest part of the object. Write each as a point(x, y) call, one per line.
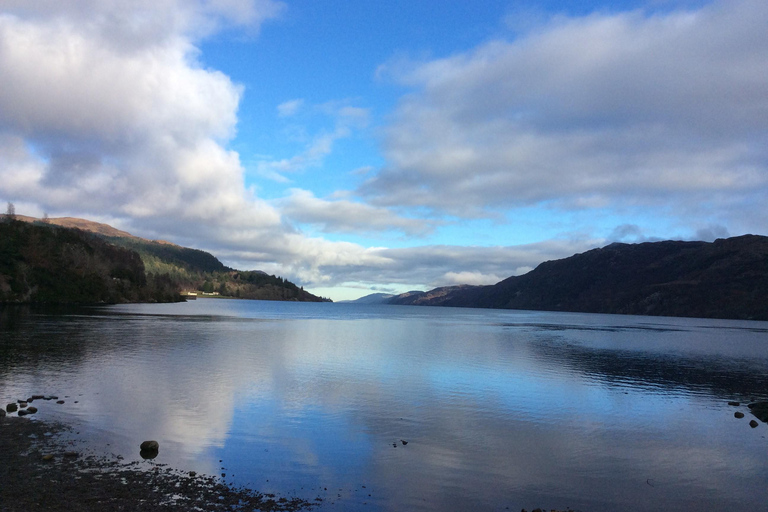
point(498, 408)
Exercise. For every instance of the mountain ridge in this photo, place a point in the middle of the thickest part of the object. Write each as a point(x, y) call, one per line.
point(727, 278)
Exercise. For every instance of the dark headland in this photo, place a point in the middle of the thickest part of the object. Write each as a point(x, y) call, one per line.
point(727, 278)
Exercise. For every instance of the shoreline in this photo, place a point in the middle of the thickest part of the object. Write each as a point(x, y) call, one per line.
point(40, 471)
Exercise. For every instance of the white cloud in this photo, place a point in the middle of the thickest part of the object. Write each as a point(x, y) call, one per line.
point(429, 266)
point(95, 121)
point(289, 108)
point(473, 278)
point(344, 216)
point(606, 110)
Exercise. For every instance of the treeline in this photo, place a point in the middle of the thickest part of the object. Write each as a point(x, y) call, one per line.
point(42, 263)
point(255, 285)
point(196, 270)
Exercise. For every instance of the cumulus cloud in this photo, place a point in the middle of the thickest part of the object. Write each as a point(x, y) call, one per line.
point(344, 216)
point(124, 121)
point(601, 111)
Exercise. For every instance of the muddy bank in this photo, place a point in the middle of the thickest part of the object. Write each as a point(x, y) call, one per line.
point(39, 470)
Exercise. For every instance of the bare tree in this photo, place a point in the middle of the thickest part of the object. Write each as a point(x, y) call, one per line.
point(46, 219)
point(10, 213)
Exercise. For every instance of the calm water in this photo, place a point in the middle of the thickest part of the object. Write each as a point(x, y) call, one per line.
point(499, 408)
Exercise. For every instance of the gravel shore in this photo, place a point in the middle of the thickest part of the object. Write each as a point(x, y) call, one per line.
point(40, 471)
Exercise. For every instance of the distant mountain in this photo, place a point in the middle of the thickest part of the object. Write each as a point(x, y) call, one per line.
point(374, 298)
point(435, 297)
point(180, 268)
point(727, 278)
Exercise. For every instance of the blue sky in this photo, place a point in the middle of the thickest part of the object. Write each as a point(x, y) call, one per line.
point(386, 146)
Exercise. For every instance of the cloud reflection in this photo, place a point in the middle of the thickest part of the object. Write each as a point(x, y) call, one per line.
point(498, 408)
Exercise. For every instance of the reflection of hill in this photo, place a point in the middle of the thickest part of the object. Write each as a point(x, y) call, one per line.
point(728, 378)
point(724, 279)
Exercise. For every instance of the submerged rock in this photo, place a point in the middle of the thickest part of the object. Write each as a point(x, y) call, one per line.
point(753, 423)
point(738, 415)
point(31, 410)
point(735, 404)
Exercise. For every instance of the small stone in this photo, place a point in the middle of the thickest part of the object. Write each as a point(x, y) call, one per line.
point(2, 413)
point(11, 408)
point(48, 456)
point(753, 423)
point(60, 401)
point(735, 404)
point(738, 414)
point(404, 442)
point(31, 410)
point(37, 397)
point(149, 449)
point(22, 405)
point(70, 454)
point(192, 473)
point(23, 412)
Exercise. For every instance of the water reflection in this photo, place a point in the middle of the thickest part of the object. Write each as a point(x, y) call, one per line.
point(499, 409)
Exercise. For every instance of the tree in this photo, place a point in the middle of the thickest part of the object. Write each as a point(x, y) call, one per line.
point(10, 212)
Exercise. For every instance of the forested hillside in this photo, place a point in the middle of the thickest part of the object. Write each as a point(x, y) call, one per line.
point(727, 278)
point(50, 264)
point(165, 270)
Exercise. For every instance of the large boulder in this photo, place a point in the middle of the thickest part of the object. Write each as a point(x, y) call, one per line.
point(11, 407)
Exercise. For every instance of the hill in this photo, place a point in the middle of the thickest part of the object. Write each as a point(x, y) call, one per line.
point(177, 267)
point(727, 278)
point(50, 264)
point(373, 298)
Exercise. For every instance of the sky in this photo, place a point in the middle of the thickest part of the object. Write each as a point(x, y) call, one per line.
point(366, 147)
